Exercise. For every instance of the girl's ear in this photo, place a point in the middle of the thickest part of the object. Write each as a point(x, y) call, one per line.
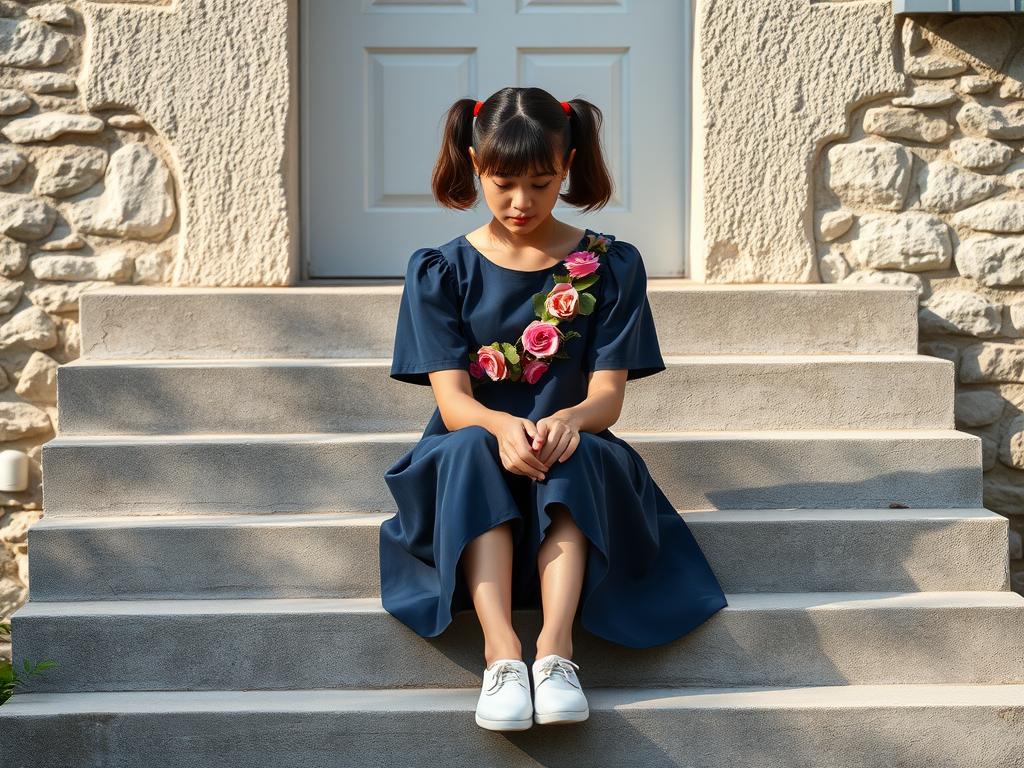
point(568, 160)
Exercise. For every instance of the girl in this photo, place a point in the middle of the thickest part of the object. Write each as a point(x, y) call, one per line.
point(518, 495)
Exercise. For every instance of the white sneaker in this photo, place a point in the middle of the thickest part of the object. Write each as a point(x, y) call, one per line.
point(557, 693)
point(504, 703)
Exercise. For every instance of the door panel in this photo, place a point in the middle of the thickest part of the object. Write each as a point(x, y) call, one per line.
point(378, 75)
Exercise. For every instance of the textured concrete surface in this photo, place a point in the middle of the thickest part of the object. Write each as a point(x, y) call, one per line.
point(219, 80)
point(335, 554)
point(211, 473)
point(799, 638)
point(353, 322)
point(777, 81)
point(870, 726)
point(714, 392)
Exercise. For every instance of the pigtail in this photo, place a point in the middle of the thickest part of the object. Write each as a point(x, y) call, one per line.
point(452, 180)
point(590, 184)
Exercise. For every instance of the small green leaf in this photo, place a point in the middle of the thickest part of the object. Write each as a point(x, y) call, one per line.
point(585, 282)
point(587, 303)
point(549, 318)
point(538, 304)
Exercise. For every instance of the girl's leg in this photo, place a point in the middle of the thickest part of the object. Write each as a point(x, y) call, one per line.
point(561, 562)
point(487, 564)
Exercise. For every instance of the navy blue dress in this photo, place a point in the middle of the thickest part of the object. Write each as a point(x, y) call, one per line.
point(646, 580)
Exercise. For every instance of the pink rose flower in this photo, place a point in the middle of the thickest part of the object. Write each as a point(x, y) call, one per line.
point(533, 370)
point(492, 362)
point(581, 263)
point(475, 370)
point(563, 301)
point(541, 339)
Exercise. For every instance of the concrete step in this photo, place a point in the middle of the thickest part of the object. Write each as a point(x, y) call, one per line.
point(335, 554)
point(712, 392)
point(359, 321)
point(758, 639)
point(202, 473)
point(854, 726)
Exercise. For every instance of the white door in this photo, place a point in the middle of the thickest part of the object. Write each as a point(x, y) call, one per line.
point(378, 75)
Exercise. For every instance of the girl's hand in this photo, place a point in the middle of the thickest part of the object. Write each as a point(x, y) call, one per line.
point(556, 439)
point(514, 436)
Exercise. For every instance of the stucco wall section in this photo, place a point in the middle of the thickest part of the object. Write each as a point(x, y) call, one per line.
point(87, 200)
point(216, 79)
point(777, 81)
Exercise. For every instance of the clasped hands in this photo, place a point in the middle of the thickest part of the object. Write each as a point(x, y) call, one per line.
point(530, 449)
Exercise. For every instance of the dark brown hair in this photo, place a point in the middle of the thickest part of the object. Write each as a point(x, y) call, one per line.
point(519, 131)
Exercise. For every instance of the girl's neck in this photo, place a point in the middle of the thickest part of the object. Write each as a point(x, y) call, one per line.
point(550, 236)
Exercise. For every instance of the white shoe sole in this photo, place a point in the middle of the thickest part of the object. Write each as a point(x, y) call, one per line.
point(504, 725)
point(555, 718)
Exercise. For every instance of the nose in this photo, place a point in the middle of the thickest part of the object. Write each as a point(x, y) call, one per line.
point(521, 201)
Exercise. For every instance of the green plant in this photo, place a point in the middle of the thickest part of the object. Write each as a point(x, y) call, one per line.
point(9, 678)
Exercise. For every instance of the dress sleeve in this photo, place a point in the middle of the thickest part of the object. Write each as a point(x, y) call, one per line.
point(429, 334)
point(624, 335)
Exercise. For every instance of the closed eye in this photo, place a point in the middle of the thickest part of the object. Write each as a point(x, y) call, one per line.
point(535, 186)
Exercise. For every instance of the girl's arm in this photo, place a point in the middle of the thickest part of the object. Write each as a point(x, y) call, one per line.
point(603, 403)
point(454, 395)
point(458, 407)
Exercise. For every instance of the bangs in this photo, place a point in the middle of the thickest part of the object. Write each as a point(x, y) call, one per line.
point(519, 147)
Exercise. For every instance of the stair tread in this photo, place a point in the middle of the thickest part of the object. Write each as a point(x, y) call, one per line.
point(317, 519)
point(654, 283)
point(394, 437)
point(881, 696)
point(327, 362)
point(742, 601)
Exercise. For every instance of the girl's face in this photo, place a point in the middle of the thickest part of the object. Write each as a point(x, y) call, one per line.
point(520, 203)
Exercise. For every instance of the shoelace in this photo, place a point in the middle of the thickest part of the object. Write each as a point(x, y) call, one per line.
point(500, 675)
point(560, 666)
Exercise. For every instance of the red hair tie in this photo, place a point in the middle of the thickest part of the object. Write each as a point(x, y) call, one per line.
point(565, 107)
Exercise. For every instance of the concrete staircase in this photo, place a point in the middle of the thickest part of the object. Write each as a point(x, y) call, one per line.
point(206, 572)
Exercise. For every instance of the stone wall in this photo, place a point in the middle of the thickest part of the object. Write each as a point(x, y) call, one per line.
point(927, 190)
point(87, 198)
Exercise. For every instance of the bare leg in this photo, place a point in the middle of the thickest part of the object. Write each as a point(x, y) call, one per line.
point(487, 564)
point(561, 563)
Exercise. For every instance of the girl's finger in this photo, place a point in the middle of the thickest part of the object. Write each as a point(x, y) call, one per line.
point(556, 444)
point(542, 438)
point(527, 470)
point(526, 454)
point(570, 448)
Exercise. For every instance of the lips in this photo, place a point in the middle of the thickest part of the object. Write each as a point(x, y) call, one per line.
point(520, 219)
